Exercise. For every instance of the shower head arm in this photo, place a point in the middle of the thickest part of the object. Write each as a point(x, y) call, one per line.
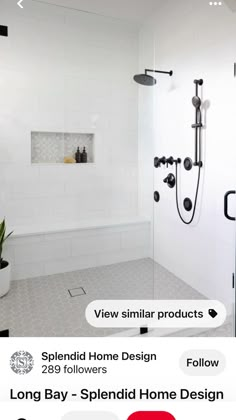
point(159, 71)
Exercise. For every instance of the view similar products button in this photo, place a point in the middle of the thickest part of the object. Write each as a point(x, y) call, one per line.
point(151, 415)
point(156, 313)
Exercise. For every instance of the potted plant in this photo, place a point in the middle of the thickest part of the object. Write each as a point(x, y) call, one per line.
point(5, 268)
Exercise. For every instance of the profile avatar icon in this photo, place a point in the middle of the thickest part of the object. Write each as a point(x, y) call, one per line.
point(22, 362)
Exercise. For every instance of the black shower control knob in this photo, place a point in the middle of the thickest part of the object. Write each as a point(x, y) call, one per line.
point(156, 196)
point(188, 205)
point(170, 181)
point(163, 160)
point(156, 162)
point(188, 164)
point(170, 160)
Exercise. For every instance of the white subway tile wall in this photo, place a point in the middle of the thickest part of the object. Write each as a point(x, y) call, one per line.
point(66, 72)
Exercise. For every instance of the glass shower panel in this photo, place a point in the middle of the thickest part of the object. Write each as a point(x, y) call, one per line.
point(194, 251)
point(78, 178)
point(102, 101)
point(101, 105)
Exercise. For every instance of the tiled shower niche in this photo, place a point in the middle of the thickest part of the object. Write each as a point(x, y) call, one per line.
point(49, 147)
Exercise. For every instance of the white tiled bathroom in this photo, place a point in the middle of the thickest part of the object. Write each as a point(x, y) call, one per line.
point(87, 228)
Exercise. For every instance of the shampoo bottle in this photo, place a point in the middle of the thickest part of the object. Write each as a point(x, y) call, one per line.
point(84, 156)
point(78, 156)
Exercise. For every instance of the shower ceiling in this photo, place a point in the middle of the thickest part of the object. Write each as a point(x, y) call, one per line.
point(133, 10)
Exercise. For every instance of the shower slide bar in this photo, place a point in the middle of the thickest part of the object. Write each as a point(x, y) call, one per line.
point(198, 123)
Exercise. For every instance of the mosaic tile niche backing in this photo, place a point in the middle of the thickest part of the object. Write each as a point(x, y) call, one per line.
point(48, 147)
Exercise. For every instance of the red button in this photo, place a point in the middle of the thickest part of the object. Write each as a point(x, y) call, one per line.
point(151, 415)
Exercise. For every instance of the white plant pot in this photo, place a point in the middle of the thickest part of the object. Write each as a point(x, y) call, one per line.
point(5, 279)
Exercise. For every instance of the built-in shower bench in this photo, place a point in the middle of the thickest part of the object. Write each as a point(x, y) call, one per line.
point(59, 248)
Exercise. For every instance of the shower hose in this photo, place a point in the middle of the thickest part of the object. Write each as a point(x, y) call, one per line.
point(198, 181)
point(196, 196)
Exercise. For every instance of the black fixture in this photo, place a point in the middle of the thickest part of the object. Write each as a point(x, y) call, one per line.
point(165, 161)
point(159, 161)
point(196, 101)
point(170, 161)
point(156, 162)
point(147, 80)
point(143, 330)
point(4, 333)
point(170, 180)
point(3, 30)
point(188, 205)
point(188, 164)
point(156, 196)
point(226, 197)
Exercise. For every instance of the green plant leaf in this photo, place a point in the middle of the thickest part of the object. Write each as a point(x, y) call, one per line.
point(9, 234)
point(2, 231)
point(3, 238)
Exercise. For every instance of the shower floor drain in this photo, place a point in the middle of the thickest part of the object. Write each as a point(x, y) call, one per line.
point(78, 291)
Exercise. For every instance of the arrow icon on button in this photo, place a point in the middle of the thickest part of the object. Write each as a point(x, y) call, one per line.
point(19, 4)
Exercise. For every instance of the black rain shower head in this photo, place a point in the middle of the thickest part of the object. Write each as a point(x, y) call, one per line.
point(147, 80)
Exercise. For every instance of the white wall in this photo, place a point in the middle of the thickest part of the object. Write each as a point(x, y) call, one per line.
point(196, 41)
point(66, 71)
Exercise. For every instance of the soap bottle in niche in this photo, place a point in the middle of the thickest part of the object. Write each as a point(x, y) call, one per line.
point(84, 156)
point(78, 156)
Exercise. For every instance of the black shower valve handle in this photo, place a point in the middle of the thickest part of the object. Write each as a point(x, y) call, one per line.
point(159, 161)
point(170, 161)
point(170, 180)
point(156, 162)
point(163, 160)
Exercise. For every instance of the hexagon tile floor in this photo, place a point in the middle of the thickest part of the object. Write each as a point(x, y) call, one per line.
point(54, 306)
